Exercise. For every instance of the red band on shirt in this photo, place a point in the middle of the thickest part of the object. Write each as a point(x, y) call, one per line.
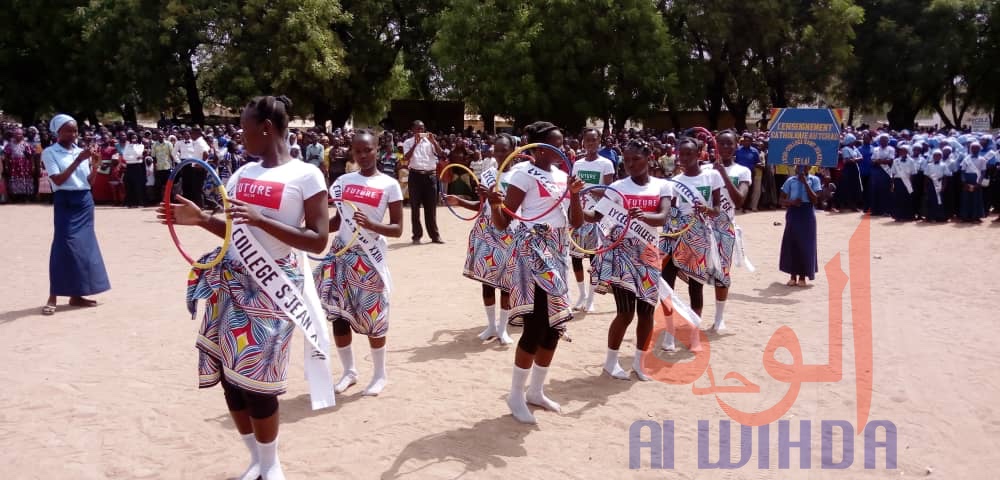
point(647, 203)
point(260, 192)
point(362, 194)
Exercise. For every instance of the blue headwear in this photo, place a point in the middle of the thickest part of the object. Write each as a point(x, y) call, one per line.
point(849, 140)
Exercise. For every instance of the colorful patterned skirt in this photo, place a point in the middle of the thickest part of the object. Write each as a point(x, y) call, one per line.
point(244, 335)
point(489, 255)
point(633, 265)
point(539, 257)
point(725, 237)
point(351, 289)
point(692, 251)
point(588, 237)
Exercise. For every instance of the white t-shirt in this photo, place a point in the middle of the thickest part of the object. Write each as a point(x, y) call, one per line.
point(423, 157)
point(593, 172)
point(537, 199)
point(371, 195)
point(480, 166)
point(884, 153)
point(701, 186)
point(737, 174)
point(278, 193)
point(132, 153)
point(645, 197)
point(188, 149)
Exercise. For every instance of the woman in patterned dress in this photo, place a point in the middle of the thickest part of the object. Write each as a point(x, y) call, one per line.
point(244, 336)
point(539, 293)
point(489, 254)
point(19, 167)
point(631, 270)
point(353, 290)
point(694, 253)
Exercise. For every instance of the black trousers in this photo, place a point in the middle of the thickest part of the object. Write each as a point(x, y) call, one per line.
point(423, 193)
point(193, 183)
point(161, 183)
point(135, 185)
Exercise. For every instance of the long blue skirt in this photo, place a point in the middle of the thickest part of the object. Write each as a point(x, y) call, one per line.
point(971, 205)
point(933, 208)
point(76, 267)
point(850, 193)
point(902, 201)
point(881, 197)
point(798, 244)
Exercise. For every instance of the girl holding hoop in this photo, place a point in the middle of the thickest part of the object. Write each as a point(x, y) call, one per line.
point(694, 252)
point(632, 268)
point(539, 293)
point(593, 169)
point(353, 280)
point(490, 251)
point(736, 184)
point(243, 340)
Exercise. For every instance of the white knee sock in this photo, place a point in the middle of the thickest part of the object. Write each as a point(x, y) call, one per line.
point(270, 465)
point(491, 323)
point(583, 294)
point(637, 366)
point(589, 306)
point(668, 343)
point(350, 376)
point(516, 399)
point(720, 307)
point(502, 335)
point(379, 379)
point(253, 471)
point(611, 366)
point(535, 395)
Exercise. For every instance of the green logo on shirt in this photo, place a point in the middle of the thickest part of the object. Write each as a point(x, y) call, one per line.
point(589, 176)
point(705, 192)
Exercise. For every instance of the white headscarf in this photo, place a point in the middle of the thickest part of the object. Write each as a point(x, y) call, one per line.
point(58, 121)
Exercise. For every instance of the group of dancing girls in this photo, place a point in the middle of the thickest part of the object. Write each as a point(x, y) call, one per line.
point(243, 340)
point(526, 259)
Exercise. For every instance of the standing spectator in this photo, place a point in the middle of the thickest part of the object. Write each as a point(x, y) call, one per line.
point(76, 268)
point(865, 167)
point(388, 163)
point(163, 155)
point(135, 171)
point(850, 194)
point(338, 158)
point(192, 146)
point(749, 157)
point(314, 152)
point(610, 151)
point(421, 154)
point(19, 167)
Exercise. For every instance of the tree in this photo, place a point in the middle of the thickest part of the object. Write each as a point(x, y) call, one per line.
point(909, 55)
point(280, 47)
point(539, 59)
point(764, 52)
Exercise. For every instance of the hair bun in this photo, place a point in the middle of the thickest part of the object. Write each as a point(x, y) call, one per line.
point(284, 100)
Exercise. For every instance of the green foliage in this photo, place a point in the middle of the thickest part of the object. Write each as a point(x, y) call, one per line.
point(556, 59)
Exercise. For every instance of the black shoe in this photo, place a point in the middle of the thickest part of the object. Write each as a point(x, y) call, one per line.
point(437, 240)
point(416, 241)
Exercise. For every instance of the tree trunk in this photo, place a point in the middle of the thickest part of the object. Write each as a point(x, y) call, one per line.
point(716, 90)
point(850, 115)
point(195, 105)
point(489, 122)
point(340, 115)
point(321, 114)
point(901, 116)
point(995, 117)
point(673, 114)
point(619, 122)
point(948, 123)
point(129, 115)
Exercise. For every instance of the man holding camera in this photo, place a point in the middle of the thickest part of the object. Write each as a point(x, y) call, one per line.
point(421, 152)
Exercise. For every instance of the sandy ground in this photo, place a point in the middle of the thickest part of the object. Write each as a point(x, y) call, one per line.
point(112, 392)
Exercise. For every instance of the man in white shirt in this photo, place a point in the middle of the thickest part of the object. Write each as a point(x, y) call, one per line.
point(192, 146)
point(421, 153)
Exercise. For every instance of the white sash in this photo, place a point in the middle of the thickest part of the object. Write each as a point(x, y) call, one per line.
point(664, 292)
point(489, 177)
point(374, 245)
point(547, 183)
point(903, 171)
point(740, 257)
point(714, 261)
point(305, 313)
point(614, 215)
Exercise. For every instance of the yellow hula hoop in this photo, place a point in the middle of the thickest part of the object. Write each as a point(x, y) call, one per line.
point(227, 238)
point(679, 232)
point(517, 151)
point(357, 232)
point(474, 179)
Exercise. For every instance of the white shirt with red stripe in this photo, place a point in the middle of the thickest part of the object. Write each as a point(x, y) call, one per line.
point(537, 199)
point(646, 197)
point(371, 195)
point(278, 193)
